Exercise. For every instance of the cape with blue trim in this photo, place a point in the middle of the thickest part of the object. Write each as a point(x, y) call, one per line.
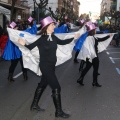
point(80, 42)
point(64, 52)
point(61, 29)
point(12, 51)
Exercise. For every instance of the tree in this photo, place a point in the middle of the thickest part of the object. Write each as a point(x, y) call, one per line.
point(84, 16)
point(112, 16)
point(12, 9)
point(57, 15)
point(42, 4)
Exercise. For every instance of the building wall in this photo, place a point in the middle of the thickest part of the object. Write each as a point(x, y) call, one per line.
point(105, 6)
point(4, 1)
point(20, 9)
point(1, 19)
point(57, 4)
point(118, 5)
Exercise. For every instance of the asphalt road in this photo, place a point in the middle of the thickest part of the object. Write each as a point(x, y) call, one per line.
point(82, 102)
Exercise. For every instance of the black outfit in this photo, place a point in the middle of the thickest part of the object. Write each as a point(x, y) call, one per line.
point(47, 50)
point(82, 63)
point(95, 64)
point(75, 59)
point(15, 62)
point(12, 69)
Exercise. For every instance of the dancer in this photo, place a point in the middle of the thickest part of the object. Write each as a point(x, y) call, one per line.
point(91, 58)
point(80, 42)
point(13, 53)
point(47, 45)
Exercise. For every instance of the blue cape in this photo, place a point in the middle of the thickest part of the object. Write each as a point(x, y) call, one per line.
point(80, 42)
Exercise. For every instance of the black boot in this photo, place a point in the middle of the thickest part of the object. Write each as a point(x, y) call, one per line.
point(98, 74)
point(10, 77)
point(25, 76)
point(57, 102)
point(37, 96)
point(81, 65)
point(96, 84)
point(80, 81)
point(75, 59)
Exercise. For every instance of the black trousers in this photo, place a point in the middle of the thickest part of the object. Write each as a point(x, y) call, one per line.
point(48, 76)
point(95, 64)
point(14, 64)
point(76, 54)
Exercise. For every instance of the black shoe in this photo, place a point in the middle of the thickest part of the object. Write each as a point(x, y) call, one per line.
point(80, 70)
point(62, 114)
point(10, 78)
point(80, 81)
point(76, 61)
point(36, 108)
point(96, 84)
point(25, 76)
point(98, 74)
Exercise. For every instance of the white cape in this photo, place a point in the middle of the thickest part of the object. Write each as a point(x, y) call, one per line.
point(72, 26)
point(31, 57)
point(88, 51)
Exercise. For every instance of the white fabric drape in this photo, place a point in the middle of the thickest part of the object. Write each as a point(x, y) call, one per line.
point(64, 52)
point(88, 50)
point(31, 58)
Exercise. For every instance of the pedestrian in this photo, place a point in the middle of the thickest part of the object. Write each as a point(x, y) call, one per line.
point(47, 45)
point(92, 58)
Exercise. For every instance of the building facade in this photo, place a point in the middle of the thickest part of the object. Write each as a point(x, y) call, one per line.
point(105, 6)
point(21, 10)
point(118, 5)
point(69, 7)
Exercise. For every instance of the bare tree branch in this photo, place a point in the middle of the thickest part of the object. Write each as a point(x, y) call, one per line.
point(42, 3)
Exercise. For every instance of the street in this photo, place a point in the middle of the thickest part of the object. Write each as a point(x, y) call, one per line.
point(81, 102)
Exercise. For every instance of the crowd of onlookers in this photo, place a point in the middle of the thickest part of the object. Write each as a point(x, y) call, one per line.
point(113, 29)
